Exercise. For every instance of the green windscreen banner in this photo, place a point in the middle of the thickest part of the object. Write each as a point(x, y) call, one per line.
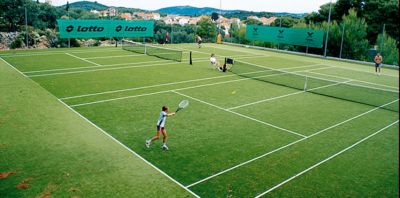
point(291, 36)
point(105, 28)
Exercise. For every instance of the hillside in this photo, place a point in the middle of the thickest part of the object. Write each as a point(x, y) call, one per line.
point(88, 5)
point(189, 10)
point(184, 10)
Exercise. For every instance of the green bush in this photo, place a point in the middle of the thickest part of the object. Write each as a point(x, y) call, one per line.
point(17, 43)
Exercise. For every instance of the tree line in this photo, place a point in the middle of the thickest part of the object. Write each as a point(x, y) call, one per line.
point(359, 22)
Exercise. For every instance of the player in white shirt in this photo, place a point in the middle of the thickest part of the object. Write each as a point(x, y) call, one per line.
point(161, 128)
point(215, 62)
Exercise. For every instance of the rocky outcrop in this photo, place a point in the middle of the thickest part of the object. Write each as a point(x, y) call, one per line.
point(6, 38)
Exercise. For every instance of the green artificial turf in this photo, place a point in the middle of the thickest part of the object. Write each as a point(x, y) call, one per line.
point(60, 154)
point(259, 133)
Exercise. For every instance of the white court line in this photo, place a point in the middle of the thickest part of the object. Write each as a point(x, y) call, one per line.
point(327, 159)
point(88, 61)
point(21, 54)
point(121, 56)
point(291, 94)
point(9, 64)
point(341, 67)
point(173, 83)
point(233, 50)
point(222, 55)
point(127, 66)
point(179, 89)
point(130, 150)
point(241, 115)
point(396, 76)
point(290, 144)
point(123, 64)
point(314, 77)
point(121, 98)
point(86, 67)
point(115, 140)
point(366, 82)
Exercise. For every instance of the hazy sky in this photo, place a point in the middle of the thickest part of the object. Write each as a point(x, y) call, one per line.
point(294, 6)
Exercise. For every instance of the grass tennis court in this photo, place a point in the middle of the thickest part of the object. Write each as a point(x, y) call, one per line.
point(240, 136)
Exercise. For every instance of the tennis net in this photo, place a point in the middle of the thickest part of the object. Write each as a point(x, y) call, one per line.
point(160, 52)
point(349, 90)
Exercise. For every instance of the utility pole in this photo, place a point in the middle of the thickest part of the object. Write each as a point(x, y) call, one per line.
point(69, 40)
point(280, 25)
point(327, 32)
point(220, 15)
point(26, 28)
point(341, 43)
point(172, 28)
point(383, 38)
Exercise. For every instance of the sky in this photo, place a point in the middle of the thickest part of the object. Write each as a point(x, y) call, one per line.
point(293, 6)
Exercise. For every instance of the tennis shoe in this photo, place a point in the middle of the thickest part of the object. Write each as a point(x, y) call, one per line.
point(165, 147)
point(148, 142)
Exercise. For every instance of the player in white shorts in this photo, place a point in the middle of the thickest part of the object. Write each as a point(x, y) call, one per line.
point(215, 62)
point(161, 128)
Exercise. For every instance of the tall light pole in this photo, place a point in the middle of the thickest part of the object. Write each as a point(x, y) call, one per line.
point(220, 14)
point(26, 27)
point(383, 37)
point(327, 32)
point(341, 43)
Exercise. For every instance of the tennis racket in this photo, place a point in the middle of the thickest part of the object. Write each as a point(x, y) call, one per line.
point(182, 105)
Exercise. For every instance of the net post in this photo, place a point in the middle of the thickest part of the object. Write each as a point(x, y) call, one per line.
point(190, 59)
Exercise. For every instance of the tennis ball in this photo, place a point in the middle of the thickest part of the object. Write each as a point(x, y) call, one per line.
point(233, 92)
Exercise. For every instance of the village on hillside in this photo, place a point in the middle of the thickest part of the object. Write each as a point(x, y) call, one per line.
point(172, 19)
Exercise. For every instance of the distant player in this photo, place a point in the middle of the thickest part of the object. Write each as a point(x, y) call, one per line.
point(199, 40)
point(166, 38)
point(161, 128)
point(378, 63)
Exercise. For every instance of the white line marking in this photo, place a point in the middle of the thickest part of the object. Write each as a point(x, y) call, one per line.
point(327, 159)
point(88, 61)
point(9, 64)
point(120, 64)
point(241, 115)
point(234, 50)
point(122, 56)
point(21, 54)
point(124, 67)
point(89, 67)
point(179, 89)
point(366, 82)
point(115, 140)
point(290, 144)
point(107, 69)
point(395, 76)
point(130, 150)
point(171, 83)
point(320, 78)
point(222, 55)
point(283, 96)
point(121, 98)
point(119, 56)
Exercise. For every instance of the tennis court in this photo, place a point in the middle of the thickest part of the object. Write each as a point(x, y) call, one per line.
point(278, 125)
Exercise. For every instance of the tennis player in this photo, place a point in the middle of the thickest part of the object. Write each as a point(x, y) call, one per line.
point(166, 38)
point(199, 40)
point(161, 128)
point(215, 62)
point(378, 63)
